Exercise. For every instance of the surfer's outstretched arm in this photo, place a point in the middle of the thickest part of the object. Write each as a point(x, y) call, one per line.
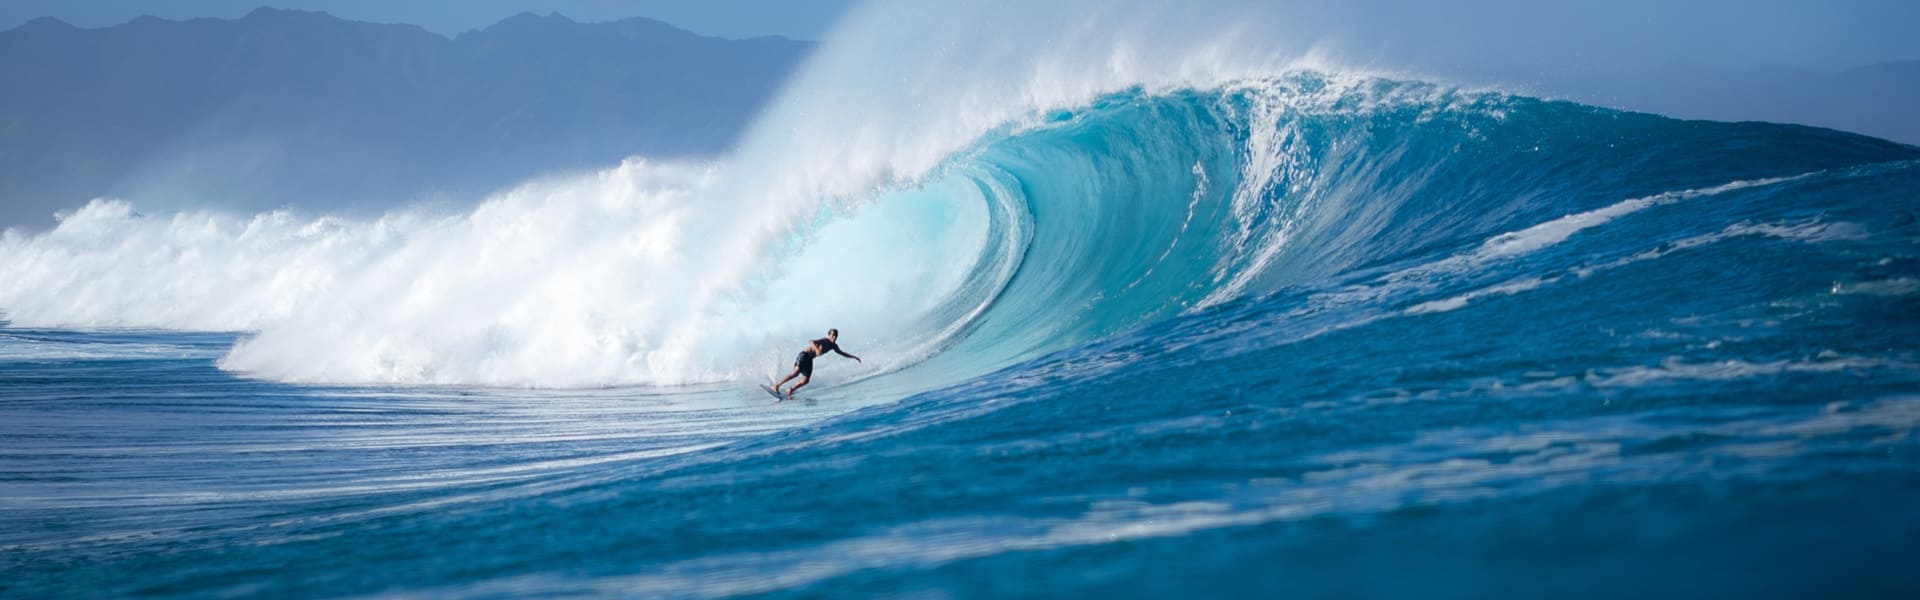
point(844, 353)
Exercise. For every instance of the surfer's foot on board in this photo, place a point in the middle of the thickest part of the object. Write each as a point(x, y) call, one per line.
point(775, 392)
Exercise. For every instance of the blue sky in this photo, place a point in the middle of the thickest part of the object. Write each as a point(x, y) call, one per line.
point(801, 19)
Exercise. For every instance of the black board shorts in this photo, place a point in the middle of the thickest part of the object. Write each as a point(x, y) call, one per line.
point(805, 364)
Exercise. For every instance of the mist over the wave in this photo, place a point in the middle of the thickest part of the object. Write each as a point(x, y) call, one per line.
point(1847, 65)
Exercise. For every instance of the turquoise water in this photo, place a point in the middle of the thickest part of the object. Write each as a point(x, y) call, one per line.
point(1269, 340)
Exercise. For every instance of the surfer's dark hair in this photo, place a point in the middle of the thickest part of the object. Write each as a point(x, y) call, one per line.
point(833, 332)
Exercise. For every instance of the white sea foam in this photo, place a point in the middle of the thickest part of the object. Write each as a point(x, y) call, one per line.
point(572, 282)
point(1457, 302)
point(1898, 286)
point(1676, 369)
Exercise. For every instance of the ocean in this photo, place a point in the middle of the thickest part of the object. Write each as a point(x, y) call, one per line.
point(1297, 335)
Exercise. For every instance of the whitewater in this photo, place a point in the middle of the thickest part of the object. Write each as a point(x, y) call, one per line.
point(1211, 315)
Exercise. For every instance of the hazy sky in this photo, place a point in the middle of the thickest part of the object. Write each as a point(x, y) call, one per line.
point(800, 19)
point(1798, 33)
point(1819, 34)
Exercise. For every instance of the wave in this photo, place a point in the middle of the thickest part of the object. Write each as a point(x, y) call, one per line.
point(1042, 233)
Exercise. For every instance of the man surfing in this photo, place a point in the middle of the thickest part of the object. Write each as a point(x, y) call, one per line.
point(803, 364)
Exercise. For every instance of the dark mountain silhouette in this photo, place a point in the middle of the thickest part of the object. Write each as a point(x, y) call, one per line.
point(289, 107)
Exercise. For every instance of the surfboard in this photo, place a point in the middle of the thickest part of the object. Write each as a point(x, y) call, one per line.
point(777, 396)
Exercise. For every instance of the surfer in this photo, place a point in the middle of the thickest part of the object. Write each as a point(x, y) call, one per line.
point(803, 364)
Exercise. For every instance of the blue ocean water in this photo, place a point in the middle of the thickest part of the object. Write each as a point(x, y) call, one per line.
point(1283, 338)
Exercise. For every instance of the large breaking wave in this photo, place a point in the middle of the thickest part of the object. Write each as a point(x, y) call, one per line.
point(951, 211)
point(1067, 226)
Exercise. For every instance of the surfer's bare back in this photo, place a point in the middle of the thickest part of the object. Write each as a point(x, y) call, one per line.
point(803, 364)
